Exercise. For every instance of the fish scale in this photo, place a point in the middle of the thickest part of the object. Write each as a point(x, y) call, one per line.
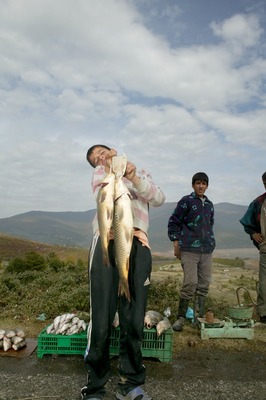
point(105, 209)
point(123, 234)
point(122, 224)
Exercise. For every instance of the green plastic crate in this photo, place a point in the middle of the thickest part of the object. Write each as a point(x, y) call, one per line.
point(61, 344)
point(152, 346)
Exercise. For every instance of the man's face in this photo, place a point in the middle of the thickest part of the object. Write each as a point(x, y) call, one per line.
point(200, 188)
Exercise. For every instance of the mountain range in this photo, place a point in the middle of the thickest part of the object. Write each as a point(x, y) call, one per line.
point(75, 228)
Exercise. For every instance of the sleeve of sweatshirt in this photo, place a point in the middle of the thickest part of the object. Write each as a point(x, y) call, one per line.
point(175, 222)
point(150, 192)
point(249, 220)
point(97, 177)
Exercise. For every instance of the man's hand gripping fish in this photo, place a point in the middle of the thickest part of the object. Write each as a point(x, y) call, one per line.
point(122, 224)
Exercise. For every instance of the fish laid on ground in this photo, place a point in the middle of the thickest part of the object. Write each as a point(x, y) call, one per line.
point(19, 345)
point(17, 339)
point(105, 210)
point(19, 332)
point(10, 333)
point(11, 337)
point(123, 228)
point(6, 343)
point(163, 326)
point(152, 318)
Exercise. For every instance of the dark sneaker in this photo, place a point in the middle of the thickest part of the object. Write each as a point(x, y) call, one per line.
point(178, 325)
point(136, 393)
point(86, 396)
point(263, 319)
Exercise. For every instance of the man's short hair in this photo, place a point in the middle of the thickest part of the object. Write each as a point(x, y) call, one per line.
point(264, 176)
point(89, 152)
point(200, 176)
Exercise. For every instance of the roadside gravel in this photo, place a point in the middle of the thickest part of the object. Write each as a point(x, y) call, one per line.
point(194, 373)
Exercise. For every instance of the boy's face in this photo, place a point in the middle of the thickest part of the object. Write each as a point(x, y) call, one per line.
point(101, 156)
point(200, 188)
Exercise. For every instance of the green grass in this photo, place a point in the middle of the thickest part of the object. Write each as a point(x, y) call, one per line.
point(50, 280)
point(236, 262)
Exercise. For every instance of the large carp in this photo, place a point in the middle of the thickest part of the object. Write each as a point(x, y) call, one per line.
point(105, 211)
point(123, 226)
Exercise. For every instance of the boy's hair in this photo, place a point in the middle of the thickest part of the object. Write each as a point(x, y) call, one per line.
point(93, 148)
point(200, 176)
point(264, 176)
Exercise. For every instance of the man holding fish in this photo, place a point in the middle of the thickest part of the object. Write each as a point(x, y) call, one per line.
point(119, 270)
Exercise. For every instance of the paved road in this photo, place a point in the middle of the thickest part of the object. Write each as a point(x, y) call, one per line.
point(193, 374)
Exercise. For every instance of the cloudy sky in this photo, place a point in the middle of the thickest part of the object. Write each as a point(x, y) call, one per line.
point(179, 86)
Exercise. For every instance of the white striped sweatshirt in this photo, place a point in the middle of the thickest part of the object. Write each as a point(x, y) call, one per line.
point(144, 194)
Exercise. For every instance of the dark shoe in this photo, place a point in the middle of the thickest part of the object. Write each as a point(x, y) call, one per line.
point(179, 323)
point(86, 396)
point(263, 319)
point(135, 393)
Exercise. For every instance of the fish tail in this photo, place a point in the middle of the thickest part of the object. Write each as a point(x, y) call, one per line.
point(106, 259)
point(123, 289)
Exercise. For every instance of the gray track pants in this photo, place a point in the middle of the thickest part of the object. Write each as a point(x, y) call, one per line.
point(197, 268)
point(261, 301)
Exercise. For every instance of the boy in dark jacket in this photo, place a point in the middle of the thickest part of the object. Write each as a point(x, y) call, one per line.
point(190, 228)
point(254, 223)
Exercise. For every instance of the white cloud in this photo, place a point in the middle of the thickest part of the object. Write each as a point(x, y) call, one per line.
point(240, 30)
point(72, 75)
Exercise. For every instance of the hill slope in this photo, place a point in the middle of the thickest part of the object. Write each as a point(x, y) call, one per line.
point(74, 228)
point(12, 247)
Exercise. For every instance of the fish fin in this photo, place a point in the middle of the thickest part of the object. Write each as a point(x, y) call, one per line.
point(102, 197)
point(123, 289)
point(110, 214)
point(128, 236)
point(106, 260)
point(103, 184)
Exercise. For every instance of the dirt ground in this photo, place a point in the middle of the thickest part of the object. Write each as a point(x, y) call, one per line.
point(208, 373)
point(200, 369)
point(225, 280)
